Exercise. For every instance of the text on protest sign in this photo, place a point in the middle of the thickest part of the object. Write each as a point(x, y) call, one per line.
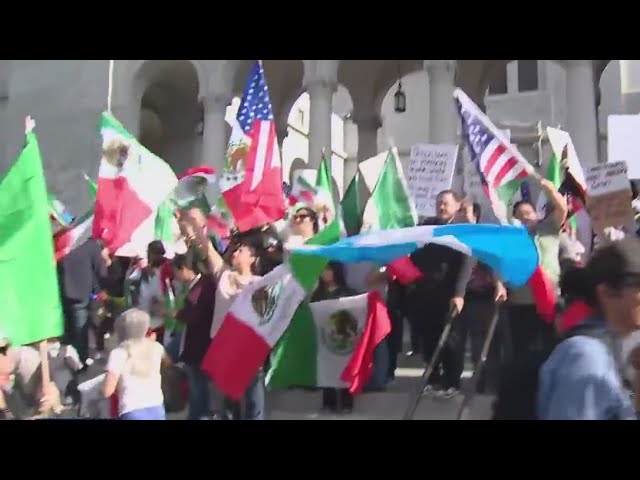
point(431, 170)
point(608, 178)
point(609, 196)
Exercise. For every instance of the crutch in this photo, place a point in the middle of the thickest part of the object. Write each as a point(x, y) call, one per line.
point(416, 395)
point(463, 412)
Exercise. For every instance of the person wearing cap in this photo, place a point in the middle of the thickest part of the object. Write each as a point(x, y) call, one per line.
point(581, 380)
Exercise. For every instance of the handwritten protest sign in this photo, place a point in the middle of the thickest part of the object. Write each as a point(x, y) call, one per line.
point(609, 196)
point(431, 170)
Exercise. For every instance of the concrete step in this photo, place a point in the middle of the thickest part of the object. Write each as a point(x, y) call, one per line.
point(303, 405)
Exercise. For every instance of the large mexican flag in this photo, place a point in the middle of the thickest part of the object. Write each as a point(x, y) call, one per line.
point(331, 344)
point(30, 309)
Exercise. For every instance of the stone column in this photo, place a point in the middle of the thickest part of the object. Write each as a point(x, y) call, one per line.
point(214, 134)
point(443, 120)
point(581, 110)
point(321, 83)
point(368, 125)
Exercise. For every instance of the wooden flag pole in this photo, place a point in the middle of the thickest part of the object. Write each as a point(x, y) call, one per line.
point(45, 370)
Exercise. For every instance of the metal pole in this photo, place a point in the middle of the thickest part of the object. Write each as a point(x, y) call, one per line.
point(416, 395)
point(463, 412)
point(110, 85)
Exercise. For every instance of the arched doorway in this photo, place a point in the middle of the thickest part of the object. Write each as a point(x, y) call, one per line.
point(171, 116)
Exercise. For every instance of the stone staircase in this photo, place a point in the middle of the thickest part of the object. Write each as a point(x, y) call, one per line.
point(388, 405)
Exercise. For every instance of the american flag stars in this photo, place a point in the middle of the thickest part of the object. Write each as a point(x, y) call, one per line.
point(255, 104)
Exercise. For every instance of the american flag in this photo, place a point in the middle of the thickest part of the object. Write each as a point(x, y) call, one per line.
point(254, 196)
point(497, 164)
point(255, 118)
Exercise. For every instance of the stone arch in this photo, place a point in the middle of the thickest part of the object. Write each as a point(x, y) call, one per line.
point(143, 72)
point(396, 130)
point(284, 80)
point(295, 147)
point(170, 112)
point(389, 75)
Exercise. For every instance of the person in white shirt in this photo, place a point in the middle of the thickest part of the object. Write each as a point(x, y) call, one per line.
point(133, 369)
point(242, 270)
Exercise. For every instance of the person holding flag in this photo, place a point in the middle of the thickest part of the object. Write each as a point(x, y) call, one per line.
point(231, 280)
point(528, 329)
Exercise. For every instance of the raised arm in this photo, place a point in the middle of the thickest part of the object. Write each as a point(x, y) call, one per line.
point(557, 201)
point(193, 230)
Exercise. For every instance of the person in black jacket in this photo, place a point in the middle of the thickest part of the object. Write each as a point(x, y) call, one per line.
point(196, 315)
point(439, 292)
point(79, 274)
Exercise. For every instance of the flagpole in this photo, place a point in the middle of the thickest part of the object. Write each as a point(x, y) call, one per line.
point(110, 85)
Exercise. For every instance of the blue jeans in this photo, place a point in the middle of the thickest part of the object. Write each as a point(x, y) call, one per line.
point(76, 327)
point(198, 392)
point(380, 374)
point(173, 347)
point(149, 413)
point(254, 402)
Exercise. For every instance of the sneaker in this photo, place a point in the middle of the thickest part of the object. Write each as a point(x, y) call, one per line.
point(432, 390)
point(448, 393)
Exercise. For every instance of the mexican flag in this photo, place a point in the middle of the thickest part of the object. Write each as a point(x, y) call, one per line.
point(305, 194)
point(351, 206)
point(260, 315)
point(72, 237)
point(331, 344)
point(390, 205)
point(132, 184)
point(30, 310)
point(198, 188)
point(59, 211)
point(250, 329)
point(78, 231)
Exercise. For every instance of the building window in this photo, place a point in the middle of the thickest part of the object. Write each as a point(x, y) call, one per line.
point(527, 75)
point(300, 117)
point(498, 81)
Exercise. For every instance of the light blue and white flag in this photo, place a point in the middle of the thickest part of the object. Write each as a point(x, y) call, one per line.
point(507, 249)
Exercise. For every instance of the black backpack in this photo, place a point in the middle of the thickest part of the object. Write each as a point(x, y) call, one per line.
point(516, 398)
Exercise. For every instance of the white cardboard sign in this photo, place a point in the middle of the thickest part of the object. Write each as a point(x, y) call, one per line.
point(431, 169)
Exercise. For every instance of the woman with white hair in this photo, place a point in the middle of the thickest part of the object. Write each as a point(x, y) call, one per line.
point(134, 367)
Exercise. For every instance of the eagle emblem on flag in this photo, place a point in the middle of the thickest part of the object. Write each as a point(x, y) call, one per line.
point(340, 333)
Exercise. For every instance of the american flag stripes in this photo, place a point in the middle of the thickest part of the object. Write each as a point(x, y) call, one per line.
point(496, 161)
point(499, 163)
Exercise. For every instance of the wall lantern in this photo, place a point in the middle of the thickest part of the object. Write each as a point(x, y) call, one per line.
point(400, 99)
